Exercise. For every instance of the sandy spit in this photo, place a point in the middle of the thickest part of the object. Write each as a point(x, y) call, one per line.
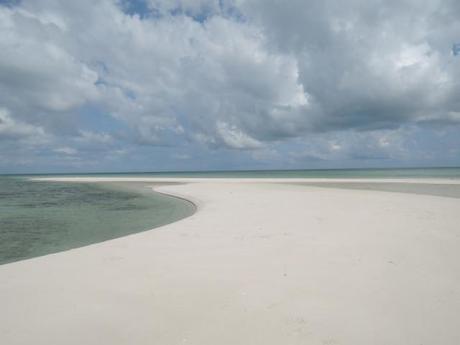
point(258, 263)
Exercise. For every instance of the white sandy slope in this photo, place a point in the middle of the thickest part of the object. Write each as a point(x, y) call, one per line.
point(259, 263)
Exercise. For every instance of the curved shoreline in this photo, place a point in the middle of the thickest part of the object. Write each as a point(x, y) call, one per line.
point(195, 203)
point(348, 184)
point(420, 186)
point(260, 263)
point(80, 215)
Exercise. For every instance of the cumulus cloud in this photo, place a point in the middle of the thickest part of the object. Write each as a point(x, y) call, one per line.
point(368, 64)
point(69, 151)
point(37, 73)
point(11, 129)
point(233, 75)
point(89, 137)
point(235, 138)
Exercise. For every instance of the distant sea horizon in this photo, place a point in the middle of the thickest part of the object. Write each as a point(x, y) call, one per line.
point(38, 217)
point(404, 172)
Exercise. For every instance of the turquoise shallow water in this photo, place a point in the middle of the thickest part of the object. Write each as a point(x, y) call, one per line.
point(38, 218)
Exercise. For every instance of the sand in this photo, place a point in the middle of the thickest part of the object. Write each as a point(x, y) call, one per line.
point(258, 263)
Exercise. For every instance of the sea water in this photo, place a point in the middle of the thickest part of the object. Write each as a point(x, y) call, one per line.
point(41, 217)
point(450, 172)
point(38, 218)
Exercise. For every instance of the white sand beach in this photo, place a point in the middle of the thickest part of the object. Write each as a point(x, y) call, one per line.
point(260, 262)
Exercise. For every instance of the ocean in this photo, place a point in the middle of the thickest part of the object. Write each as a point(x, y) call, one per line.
point(41, 217)
point(38, 218)
point(317, 173)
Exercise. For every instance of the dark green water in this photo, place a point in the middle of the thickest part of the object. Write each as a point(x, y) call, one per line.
point(38, 218)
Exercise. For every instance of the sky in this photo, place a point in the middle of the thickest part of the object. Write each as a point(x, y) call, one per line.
point(161, 85)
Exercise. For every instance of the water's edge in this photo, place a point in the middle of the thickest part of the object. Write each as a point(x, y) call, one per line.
point(440, 190)
point(41, 218)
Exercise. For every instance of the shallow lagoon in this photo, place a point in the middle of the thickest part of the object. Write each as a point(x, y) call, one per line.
point(39, 218)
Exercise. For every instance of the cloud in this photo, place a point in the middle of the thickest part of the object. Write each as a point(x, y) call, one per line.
point(362, 64)
point(235, 138)
point(37, 73)
point(229, 76)
point(13, 130)
point(88, 137)
point(69, 151)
